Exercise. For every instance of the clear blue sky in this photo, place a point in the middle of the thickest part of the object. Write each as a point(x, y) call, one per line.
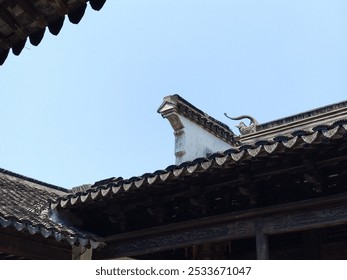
point(81, 106)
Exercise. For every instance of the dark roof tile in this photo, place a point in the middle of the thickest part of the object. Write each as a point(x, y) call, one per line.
point(300, 132)
point(24, 205)
point(225, 159)
point(320, 128)
point(281, 138)
point(23, 19)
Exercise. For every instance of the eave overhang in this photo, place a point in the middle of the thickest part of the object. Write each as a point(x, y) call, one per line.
point(299, 140)
point(56, 232)
point(21, 20)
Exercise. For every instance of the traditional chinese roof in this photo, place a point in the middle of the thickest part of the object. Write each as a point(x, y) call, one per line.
point(23, 19)
point(307, 122)
point(24, 206)
point(300, 163)
point(304, 161)
point(280, 144)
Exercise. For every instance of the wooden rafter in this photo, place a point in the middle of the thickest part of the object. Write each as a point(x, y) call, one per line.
point(291, 217)
point(33, 18)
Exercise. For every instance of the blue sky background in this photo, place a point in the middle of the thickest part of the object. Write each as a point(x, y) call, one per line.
point(81, 106)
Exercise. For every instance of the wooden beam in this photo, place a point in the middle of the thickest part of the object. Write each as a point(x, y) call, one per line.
point(235, 216)
point(32, 246)
point(171, 240)
point(274, 220)
point(305, 220)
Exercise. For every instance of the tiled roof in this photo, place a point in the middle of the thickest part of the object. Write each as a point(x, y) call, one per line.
point(298, 139)
point(306, 121)
point(303, 117)
point(24, 206)
point(20, 19)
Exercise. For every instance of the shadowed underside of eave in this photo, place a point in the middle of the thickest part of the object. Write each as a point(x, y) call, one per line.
point(300, 140)
point(23, 20)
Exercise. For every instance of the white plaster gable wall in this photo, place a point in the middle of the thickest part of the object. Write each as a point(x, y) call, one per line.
point(193, 142)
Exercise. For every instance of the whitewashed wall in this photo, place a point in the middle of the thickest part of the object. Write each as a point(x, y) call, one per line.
point(193, 142)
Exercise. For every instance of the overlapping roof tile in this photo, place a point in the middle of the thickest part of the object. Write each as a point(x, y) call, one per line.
point(24, 206)
point(23, 19)
point(298, 139)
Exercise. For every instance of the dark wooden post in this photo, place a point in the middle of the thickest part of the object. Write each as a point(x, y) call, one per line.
point(262, 241)
point(312, 244)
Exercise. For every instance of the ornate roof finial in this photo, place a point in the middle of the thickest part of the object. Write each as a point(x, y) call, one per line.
point(244, 129)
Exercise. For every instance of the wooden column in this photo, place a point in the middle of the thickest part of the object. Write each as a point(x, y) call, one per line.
point(262, 241)
point(81, 253)
point(312, 244)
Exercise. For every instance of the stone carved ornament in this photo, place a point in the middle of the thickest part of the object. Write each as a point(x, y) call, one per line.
point(243, 128)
